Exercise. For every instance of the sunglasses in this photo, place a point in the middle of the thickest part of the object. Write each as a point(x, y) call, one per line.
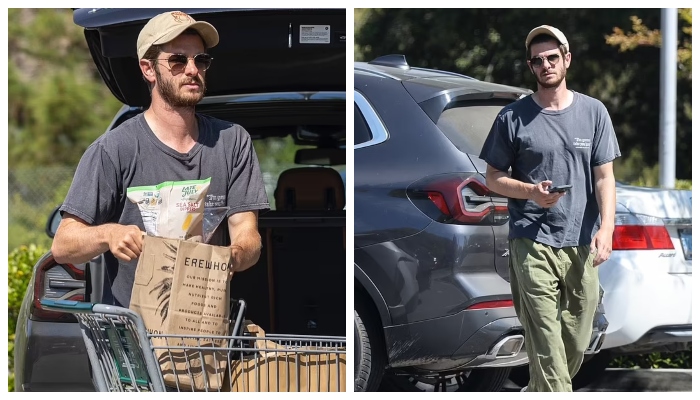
point(178, 62)
point(538, 61)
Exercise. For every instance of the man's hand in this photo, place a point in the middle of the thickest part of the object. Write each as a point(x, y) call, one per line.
point(78, 242)
point(602, 241)
point(542, 197)
point(125, 242)
point(236, 255)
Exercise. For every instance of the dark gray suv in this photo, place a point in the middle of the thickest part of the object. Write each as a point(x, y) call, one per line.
point(433, 306)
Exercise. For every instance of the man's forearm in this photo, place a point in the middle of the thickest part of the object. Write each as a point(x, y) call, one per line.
point(501, 183)
point(606, 197)
point(75, 243)
point(245, 248)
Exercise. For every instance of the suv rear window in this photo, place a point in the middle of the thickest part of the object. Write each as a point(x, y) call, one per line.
point(467, 123)
point(362, 133)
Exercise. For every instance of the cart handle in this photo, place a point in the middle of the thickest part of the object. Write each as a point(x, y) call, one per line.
point(71, 306)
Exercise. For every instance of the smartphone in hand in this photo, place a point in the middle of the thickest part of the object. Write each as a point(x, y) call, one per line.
point(559, 189)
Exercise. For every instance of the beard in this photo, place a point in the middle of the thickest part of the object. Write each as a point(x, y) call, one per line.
point(548, 84)
point(168, 90)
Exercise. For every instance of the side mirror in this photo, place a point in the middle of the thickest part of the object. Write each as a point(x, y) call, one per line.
point(52, 223)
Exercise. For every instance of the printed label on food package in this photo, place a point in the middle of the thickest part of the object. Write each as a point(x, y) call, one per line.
point(184, 208)
point(172, 209)
point(149, 202)
point(314, 34)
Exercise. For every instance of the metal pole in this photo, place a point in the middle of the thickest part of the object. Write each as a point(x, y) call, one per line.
point(667, 121)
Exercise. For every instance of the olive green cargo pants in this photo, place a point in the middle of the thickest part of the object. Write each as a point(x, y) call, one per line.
point(555, 294)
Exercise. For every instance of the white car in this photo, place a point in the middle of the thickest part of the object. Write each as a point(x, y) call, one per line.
point(647, 281)
point(648, 278)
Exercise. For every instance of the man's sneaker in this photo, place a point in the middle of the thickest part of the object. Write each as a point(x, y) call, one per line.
point(524, 389)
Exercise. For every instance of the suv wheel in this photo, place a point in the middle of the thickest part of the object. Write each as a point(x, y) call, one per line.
point(591, 370)
point(369, 359)
point(477, 380)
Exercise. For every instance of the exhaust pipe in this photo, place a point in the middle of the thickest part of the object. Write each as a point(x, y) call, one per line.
point(507, 347)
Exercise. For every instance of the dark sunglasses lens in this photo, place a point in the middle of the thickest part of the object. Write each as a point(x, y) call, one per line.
point(177, 61)
point(202, 61)
point(536, 61)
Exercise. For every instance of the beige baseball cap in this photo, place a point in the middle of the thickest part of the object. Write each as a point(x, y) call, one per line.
point(167, 26)
point(547, 30)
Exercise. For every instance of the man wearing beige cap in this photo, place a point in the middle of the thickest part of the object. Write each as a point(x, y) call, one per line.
point(554, 137)
point(167, 142)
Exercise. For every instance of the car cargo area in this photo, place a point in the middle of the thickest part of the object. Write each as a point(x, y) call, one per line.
point(295, 287)
point(298, 284)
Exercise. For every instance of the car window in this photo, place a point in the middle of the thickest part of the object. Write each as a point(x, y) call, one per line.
point(276, 155)
point(362, 133)
point(369, 128)
point(467, 123)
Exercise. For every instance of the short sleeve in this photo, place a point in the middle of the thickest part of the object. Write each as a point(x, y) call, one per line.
point(605, 146)
point(498, 150)
point(93, 195)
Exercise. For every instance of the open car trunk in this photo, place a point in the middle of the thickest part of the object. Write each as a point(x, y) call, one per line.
point(259, 50)
point(298, 284)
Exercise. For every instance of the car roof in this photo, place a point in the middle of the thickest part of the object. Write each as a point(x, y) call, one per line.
point(433, 88)
point(394, 66)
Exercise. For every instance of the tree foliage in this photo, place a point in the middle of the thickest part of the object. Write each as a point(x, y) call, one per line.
point(641, 35)
point(58, 103)
point(489, 44)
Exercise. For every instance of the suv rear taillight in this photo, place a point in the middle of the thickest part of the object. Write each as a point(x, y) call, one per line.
point(57, 282)
point(491, 304)
point(640, 232)
point(459, 198)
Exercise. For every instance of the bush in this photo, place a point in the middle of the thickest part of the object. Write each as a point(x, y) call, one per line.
point(678, 360)
point(20, 266)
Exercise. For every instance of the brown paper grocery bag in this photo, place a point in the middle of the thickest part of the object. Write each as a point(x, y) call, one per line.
point(270, 370)
point(323, 372)
point(183, 288)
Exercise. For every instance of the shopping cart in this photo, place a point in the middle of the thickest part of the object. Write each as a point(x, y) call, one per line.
point(123, 356)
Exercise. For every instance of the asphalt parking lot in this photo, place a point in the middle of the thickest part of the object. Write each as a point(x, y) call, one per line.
point(636, 380)
point(614, 380)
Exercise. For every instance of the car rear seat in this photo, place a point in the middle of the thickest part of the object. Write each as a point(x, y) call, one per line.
point(310, 189)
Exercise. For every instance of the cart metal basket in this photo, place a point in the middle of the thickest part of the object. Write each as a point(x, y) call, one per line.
point(123, 356)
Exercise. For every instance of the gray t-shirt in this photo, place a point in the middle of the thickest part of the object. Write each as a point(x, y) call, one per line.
point(560, 146)
point(131, 155)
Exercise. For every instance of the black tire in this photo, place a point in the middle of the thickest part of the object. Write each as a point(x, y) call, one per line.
point(487, 380)
point(369, 352)
point(520, 375)
point(478, 380)
point(591, 370)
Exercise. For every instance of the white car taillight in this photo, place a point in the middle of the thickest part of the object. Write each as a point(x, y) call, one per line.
point(640, 232)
